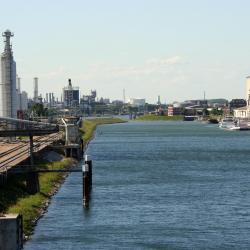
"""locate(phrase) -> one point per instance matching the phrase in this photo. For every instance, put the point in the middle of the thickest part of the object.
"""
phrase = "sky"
(176, 49)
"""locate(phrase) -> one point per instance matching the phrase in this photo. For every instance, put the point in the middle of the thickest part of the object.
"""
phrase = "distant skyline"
(175, 49)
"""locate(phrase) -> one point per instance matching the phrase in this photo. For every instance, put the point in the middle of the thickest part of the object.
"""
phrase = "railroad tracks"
(21, 151)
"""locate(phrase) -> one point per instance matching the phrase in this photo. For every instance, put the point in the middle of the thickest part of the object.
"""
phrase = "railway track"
(21, 152)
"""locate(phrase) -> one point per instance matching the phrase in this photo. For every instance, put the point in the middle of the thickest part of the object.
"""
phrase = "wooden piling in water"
(89, 162)
(86, 185)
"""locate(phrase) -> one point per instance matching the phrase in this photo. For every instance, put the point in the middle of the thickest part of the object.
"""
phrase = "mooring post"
(82, 146)
(86, 185)
(89, 162)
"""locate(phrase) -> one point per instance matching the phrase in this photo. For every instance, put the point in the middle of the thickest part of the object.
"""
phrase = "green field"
(160, 118)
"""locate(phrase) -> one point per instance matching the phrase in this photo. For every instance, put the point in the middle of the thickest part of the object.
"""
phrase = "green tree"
(38, 109)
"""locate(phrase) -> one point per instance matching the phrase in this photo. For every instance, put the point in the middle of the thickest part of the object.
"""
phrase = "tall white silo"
(8, 104)
(248, 90)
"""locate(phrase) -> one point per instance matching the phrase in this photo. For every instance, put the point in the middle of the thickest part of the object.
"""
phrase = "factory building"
(70, 96)
(8, 92)
(19, 94)
(87, 102)
(24, 101)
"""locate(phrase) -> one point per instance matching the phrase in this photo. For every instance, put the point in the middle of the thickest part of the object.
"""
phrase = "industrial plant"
(15, 103)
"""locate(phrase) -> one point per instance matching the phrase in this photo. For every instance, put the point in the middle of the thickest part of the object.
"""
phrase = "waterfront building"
(174, 110)
(240, 112)
(241, 107)
(248, 90)
(8, 92)
(237, 103)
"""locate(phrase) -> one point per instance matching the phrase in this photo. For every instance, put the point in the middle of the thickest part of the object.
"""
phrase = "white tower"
(124, 96)
(35, 89)
(248, 91)
(8, 98)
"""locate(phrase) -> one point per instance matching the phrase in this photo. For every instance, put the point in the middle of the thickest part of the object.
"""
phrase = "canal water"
(156, 185)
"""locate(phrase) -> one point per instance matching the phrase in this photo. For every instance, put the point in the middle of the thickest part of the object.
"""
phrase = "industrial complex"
(15, 103)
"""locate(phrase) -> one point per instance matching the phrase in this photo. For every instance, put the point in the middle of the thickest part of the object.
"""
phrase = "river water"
(156, 185)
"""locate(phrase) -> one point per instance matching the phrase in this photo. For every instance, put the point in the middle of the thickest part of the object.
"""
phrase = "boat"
(190, 118)
(213, 121)
(230, 123)
(227, 122)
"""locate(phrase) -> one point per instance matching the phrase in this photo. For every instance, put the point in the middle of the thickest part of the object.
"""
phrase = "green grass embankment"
(160, 118)
(90, 125)
(15, 198)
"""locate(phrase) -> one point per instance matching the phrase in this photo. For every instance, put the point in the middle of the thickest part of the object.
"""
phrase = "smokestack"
(18, 85)
(50, 99)
(35, 89)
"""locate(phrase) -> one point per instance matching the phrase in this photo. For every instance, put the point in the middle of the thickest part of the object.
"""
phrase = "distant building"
(241, 107)
(104, 100)
(87, 102)
(237, 103)
(24, 101)
(93, 96)
(70, 96)
(217, 103)
(176, 104)
(241, 112)
(200, 103)
(137, 102)
(174, 111)
(117, 102)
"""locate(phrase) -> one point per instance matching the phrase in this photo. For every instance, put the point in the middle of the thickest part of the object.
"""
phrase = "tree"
(205, 112)
(216, 111)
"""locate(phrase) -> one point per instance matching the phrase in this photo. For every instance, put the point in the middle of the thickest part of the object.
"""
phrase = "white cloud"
(151, 67)
(165, 61)
(60, 71)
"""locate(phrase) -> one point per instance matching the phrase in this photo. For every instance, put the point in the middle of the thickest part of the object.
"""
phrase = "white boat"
(230, 123)
(227, 122)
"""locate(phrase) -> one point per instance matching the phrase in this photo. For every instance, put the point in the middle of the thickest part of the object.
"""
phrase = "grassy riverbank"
(160, 118)
(15, 198)
(90, 125)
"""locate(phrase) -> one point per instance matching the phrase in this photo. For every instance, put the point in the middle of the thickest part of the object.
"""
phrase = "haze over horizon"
(175, 49)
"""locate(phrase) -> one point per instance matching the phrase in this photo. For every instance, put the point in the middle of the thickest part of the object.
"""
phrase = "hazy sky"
(173, 48)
